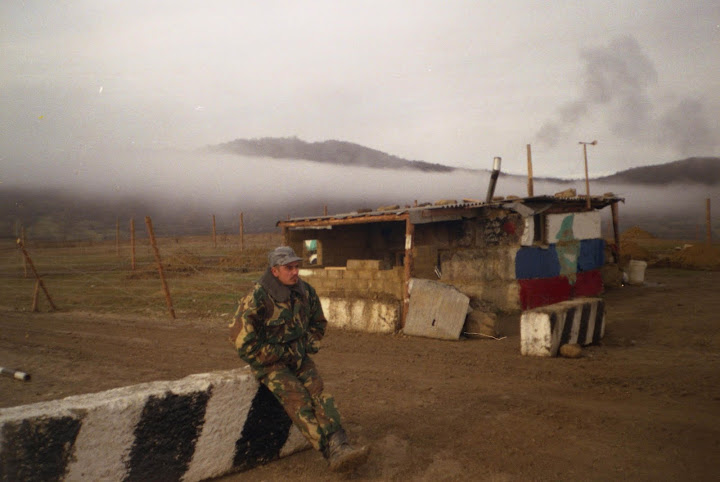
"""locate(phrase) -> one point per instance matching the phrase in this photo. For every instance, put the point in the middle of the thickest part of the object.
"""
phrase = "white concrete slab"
(436, 310)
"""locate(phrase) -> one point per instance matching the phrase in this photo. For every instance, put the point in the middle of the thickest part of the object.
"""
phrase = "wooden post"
(214, 233)
(530, 172)
(242, 232)
(117, 237)
(616, 229)
(708, 231)
(22, 239)
(132, 243)
(409, 261)
(37, 276)
(285, 235)
(36, 292)
(587, 179)
(148, 223)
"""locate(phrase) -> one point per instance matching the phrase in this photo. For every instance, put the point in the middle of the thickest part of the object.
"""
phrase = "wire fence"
(205, 275)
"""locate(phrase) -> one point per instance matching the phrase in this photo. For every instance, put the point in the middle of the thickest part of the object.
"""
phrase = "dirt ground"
(643, 405)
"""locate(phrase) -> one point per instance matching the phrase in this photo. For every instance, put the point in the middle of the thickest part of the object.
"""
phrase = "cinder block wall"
(361, 278)
(477, 256)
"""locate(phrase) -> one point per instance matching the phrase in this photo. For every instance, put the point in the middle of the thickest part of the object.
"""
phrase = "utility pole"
(587, 180)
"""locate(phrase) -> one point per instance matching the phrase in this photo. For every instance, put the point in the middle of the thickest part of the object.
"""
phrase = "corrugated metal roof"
(400, 213)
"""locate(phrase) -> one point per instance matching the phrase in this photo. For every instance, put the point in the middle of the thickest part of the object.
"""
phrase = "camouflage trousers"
(300, 392)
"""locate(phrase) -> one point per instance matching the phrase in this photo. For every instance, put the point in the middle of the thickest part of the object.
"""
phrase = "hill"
(331, 152)
(696, 170)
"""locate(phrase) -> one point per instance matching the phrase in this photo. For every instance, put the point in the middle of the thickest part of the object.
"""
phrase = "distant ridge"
(696, 170)
(331, 152)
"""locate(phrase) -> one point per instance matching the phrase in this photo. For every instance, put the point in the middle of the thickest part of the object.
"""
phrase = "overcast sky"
(450, 82)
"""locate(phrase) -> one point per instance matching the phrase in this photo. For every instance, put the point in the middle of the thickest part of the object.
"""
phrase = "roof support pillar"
(408, 263)
(616, 228)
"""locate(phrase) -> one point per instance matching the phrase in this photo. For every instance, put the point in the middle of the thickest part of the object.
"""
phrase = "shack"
(507, 255)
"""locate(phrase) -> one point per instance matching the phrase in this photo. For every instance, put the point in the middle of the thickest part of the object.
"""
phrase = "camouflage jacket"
(277, 324)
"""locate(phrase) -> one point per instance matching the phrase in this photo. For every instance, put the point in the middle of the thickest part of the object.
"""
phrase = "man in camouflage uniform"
(275, 329)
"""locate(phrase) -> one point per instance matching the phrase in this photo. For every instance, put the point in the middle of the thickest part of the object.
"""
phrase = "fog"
(267, 190)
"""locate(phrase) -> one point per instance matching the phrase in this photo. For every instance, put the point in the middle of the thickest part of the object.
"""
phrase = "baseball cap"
(282, 255)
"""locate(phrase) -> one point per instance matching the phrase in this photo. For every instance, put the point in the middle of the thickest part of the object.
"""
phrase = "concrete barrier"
(543, 330)
(199, 427)
(358, 314)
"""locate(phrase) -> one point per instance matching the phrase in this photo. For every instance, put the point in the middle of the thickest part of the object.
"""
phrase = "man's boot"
(342, 456)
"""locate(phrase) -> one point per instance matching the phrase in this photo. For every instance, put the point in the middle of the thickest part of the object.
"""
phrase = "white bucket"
(636, 272)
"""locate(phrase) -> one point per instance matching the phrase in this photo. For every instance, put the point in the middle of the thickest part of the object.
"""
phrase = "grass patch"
(204, 279)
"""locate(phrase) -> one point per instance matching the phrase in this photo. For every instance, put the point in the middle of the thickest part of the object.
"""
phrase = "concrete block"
(202, 426)
(485, 264)
(360, 314)
(436, 310)
(544, 291)
(363, 264)
(501, 295)
(543, 330)
(393, 287)
(359, 284)
(375, 286)
(335, 273)
(481, 323)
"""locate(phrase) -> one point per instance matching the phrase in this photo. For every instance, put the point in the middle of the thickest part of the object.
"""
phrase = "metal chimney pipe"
(493, 179)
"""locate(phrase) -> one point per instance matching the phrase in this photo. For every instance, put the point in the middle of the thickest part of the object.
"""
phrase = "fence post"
(148, 223)
(708, 235)
(36, 292)
(242, 232)
(22, 239)
(37, 276)
(214, 232)
(132, 243)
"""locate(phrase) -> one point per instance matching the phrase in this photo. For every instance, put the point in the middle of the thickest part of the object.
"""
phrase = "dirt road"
(644, 405)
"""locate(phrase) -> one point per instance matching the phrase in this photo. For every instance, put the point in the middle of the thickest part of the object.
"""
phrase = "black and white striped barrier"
(545, 329)
(199, 427)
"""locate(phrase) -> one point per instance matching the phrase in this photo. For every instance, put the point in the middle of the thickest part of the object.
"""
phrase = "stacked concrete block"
(502, 295)
(358, 314)
(494, 263)
(361, 278)
(364, 295)
(199, 427)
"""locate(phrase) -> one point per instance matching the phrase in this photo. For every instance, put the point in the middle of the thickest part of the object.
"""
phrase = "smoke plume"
(617, 82)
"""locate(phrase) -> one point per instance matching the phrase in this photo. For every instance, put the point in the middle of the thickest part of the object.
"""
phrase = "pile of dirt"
(631, 250)
(699, 256)
(635, 233)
